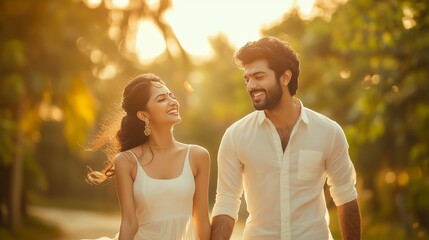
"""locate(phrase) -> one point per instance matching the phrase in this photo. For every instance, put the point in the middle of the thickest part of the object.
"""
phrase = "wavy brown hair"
(279, 54)
(135, 97)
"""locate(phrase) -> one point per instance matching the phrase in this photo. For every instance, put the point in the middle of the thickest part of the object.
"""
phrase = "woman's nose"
(173, 101)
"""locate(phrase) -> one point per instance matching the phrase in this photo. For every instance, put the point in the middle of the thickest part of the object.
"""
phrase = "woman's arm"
(124, 187)
(200, 159)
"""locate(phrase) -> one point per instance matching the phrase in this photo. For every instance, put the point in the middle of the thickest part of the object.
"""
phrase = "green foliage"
(79, 105)
(12, 89)
(40, 59)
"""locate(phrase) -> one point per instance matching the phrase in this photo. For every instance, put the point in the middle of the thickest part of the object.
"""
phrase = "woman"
(162, 184)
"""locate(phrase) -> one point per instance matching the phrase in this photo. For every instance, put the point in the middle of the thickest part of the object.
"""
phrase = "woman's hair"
(279, 54)
(135, 97)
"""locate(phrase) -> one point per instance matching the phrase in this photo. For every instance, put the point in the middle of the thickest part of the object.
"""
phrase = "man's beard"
(272, 98)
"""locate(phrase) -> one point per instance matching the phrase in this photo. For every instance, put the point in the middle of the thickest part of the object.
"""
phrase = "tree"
(391, 46)
(52, 53)
(43, 77)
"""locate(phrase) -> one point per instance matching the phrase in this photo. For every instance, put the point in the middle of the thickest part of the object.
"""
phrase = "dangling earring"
(147, 130)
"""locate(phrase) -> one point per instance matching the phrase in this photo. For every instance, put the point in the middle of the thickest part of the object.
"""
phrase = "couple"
(280, 155)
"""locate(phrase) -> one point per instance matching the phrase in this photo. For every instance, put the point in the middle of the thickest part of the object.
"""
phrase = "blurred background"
(63, 64)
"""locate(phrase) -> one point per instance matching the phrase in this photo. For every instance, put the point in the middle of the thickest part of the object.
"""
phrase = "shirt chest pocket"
(310, 164)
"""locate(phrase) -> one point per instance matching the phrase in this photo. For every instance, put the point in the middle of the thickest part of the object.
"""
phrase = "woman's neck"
(161, 138)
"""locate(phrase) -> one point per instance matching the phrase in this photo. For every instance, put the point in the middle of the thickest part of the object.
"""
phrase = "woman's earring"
(147, 130)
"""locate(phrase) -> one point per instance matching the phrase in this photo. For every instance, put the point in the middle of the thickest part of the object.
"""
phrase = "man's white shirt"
(284, 190)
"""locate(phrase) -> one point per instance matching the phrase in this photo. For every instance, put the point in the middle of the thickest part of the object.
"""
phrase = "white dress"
(164, 206)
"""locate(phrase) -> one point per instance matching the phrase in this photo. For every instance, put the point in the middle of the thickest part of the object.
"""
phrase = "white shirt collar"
(302, 116)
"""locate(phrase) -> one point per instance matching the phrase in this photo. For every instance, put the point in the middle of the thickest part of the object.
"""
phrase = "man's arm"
(222, 227)
(350, 220)
(229, 189)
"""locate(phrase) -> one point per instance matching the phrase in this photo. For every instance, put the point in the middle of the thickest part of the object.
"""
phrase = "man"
(282, 154)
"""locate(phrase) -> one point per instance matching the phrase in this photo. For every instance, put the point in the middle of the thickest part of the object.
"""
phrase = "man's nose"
(250, 85)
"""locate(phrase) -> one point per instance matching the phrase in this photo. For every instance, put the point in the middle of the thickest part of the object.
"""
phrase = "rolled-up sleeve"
(340, 170)
(230, 179)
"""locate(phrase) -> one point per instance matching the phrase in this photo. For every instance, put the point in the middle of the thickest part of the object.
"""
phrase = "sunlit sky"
(195, 21)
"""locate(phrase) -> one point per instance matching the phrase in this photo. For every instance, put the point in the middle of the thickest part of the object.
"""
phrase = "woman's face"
(163, 107)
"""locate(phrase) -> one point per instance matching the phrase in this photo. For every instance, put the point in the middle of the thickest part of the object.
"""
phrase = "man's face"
(262, 85)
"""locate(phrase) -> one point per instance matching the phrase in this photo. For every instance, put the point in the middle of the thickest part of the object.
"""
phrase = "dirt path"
(78, 224)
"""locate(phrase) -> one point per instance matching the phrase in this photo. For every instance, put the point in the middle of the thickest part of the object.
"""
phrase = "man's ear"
(285, 77)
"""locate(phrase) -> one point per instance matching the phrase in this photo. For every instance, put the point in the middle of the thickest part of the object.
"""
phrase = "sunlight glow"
(49, 112)
(121, 4)
(239, 20)
(306, 7)
(187, 85)
(149, 41)
(93, 3)
(403, 179)
(196, 21)
(96, 56)
(344, 74)
(115, 27)
(390, 177)
(408, 19)
(153, 4)
(108, 72)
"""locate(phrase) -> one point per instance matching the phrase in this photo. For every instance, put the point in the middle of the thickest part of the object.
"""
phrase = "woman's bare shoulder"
(124, 160)
(199, 152)
(199, 149)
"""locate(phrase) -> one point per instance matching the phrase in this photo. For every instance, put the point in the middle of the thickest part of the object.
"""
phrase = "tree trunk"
(16, 180)
(4, 193)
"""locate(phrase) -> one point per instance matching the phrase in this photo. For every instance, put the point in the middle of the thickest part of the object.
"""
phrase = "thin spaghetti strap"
(137, 162)
(189, 149)
(134, 155)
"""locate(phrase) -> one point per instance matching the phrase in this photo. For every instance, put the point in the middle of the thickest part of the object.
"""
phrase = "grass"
(32, 228)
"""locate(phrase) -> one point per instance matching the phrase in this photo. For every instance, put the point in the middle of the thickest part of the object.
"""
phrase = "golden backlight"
(194, 21)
